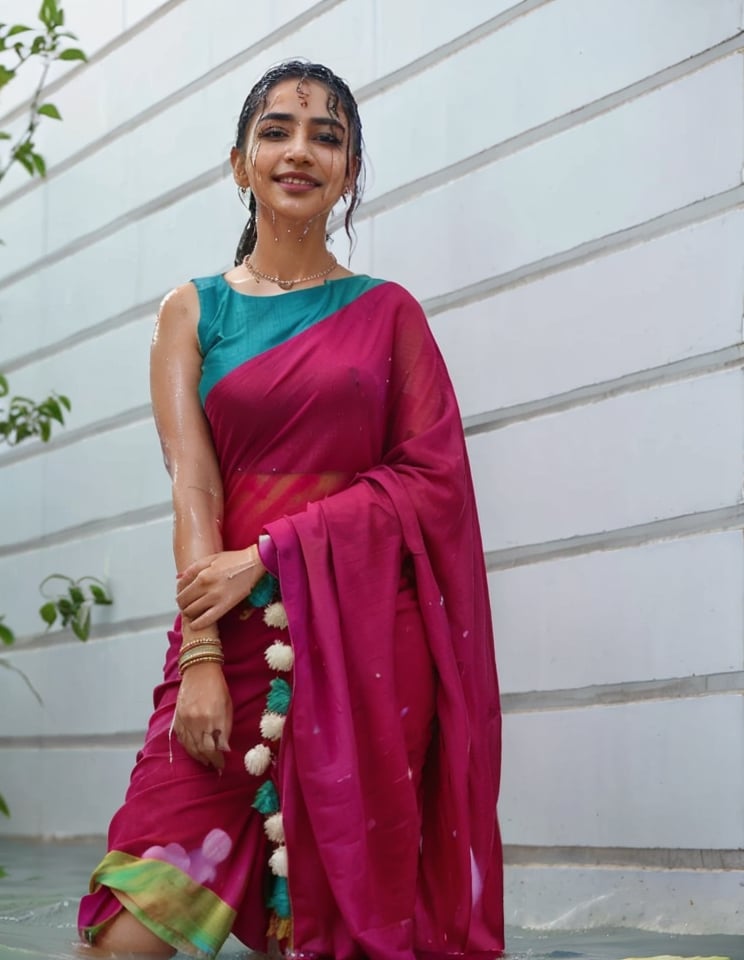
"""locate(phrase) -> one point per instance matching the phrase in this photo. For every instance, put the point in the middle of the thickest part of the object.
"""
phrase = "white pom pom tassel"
(274, 827)
(280, 656)
(272, 725)
(257, 759)
(275, 615)
(278, 862)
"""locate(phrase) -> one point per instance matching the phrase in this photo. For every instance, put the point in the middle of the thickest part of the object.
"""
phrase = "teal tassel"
(279, 696)
(279, 898)
(264, 591)
(266, 800)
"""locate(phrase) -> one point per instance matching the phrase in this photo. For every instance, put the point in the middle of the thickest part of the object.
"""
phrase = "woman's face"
(295, 155)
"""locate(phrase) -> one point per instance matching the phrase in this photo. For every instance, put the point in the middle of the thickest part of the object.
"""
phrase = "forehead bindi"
(301, 98)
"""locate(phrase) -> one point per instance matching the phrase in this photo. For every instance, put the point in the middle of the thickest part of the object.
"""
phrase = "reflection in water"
(38, 906)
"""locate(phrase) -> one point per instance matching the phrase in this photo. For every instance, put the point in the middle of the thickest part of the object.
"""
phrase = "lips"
(297, 180)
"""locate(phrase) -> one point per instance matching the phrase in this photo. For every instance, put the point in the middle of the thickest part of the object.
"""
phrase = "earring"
(242, 194)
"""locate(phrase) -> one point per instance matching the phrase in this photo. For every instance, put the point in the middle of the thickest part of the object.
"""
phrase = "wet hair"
(339, 95)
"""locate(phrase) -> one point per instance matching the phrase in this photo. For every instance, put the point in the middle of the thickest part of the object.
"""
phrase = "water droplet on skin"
(404, 712)
(378, 676)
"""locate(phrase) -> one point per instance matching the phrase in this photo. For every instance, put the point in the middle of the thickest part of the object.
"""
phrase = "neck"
(290, 249)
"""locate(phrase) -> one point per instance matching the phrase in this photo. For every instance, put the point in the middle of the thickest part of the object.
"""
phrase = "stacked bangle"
(200, 650)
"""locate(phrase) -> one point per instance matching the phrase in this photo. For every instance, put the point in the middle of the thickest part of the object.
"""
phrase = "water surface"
(38, 904)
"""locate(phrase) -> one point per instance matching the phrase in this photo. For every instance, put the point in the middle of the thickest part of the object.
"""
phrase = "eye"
(329, 138)
(272, 133)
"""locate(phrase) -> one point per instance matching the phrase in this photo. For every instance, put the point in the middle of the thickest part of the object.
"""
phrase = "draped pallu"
(338, 434)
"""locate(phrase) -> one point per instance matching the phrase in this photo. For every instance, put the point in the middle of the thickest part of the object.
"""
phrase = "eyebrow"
(290, 118)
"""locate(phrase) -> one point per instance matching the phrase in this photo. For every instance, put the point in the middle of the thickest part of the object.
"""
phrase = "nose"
(297, 148)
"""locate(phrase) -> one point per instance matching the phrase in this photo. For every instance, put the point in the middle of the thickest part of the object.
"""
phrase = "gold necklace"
(286, 284)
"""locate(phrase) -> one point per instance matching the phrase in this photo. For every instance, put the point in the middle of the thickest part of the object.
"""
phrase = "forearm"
(197, 524)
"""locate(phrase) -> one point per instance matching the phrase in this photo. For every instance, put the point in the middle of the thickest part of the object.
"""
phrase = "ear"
(351, 174)
(240, 173)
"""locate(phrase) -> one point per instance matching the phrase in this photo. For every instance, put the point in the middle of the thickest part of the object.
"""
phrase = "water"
(38, 903)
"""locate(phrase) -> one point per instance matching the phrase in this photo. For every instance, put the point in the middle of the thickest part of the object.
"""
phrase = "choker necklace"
(286, 284)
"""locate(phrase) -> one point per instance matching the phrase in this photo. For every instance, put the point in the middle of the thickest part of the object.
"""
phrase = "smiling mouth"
(298, 181)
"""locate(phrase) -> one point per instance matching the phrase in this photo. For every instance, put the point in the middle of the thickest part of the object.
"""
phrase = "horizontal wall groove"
(669, 528)
(407, 191)
(435, 56)
(164, 200)
(681, 217)
(660, 858)
(84, 335)
(128, 628)
(129, 740)
(627, 692)
(70, 436)
(93, 528)
(717, 361)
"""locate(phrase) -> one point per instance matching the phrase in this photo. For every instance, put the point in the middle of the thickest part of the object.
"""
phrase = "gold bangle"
(212, 650)
(200, 642)
(204, 651)
(183, 667)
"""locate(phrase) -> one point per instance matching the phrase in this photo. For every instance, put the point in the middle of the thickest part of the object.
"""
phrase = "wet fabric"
(343, 442)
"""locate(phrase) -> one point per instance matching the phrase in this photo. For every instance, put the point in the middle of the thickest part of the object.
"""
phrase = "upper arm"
(175, 370)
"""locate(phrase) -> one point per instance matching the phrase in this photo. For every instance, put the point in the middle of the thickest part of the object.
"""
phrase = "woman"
(322, 773)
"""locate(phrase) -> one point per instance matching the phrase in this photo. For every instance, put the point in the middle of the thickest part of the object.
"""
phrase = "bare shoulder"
(182, 301)
(178, 315)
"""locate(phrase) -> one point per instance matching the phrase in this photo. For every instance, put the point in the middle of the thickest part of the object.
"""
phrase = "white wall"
(559, 181)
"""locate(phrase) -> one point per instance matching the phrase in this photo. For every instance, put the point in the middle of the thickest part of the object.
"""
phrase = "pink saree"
(341, 439)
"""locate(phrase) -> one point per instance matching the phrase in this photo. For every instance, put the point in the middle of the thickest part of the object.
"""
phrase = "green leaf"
(6, 635)
(81, 623)
(49, 110)
(48, 612)
(72, 53)
(100, 596)
(4, 809)
(4, 388)
(45, 431)
(76, 595)
(4, 135)
(49, 14)
(65, 401)
(39, 163)
(66, 608)
(25, 163)
(6, 75)
(3, 873)
(18, 28)
(53, 409)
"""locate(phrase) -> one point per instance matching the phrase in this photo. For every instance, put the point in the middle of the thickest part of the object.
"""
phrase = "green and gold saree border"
(167, 901)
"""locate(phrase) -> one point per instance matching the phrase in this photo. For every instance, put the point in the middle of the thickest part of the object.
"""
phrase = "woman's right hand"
(204, 714)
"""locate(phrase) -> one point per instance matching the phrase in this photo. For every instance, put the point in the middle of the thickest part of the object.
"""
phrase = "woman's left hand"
(209, 587)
